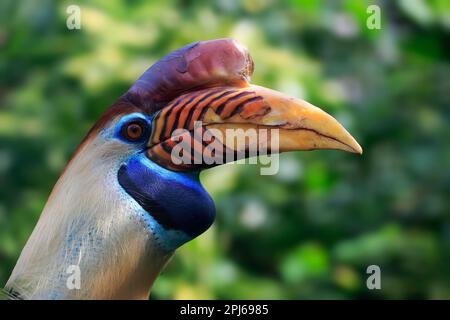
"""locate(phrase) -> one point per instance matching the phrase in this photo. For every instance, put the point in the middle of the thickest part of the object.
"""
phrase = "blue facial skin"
(175, 205)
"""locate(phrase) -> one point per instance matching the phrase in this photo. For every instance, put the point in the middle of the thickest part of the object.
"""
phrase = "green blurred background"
(311, 230)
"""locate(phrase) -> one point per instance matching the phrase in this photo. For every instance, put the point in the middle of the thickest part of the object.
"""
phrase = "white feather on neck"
(110, 242)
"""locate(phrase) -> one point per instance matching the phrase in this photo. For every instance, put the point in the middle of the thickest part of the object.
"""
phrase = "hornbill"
(123, 205)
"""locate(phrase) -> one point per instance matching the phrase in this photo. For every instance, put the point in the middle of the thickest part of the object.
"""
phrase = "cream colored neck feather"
(90, 223)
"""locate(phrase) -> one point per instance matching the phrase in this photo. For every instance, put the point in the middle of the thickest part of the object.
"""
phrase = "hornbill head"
(133, 186)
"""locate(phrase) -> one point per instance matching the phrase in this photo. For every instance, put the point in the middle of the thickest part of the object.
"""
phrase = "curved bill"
(207, 127)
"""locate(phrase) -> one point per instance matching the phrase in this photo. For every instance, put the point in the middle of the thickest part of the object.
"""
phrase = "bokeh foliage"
(309, 231)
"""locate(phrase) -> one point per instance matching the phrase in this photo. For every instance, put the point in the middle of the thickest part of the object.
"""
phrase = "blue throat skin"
(177, 207)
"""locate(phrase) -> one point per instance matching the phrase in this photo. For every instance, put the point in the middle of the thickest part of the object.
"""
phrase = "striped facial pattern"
(209, 107)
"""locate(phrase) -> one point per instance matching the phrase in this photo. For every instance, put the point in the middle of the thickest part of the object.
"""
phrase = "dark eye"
(135, 130)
